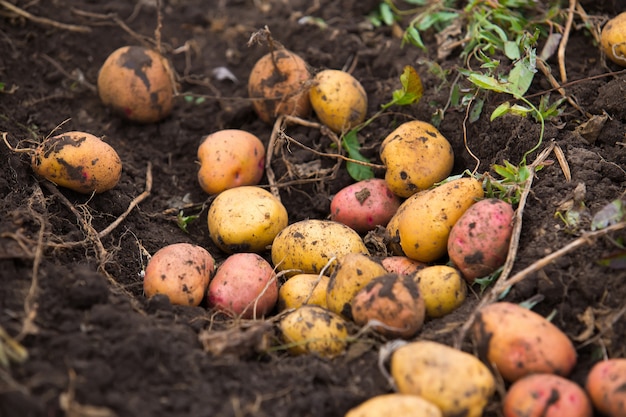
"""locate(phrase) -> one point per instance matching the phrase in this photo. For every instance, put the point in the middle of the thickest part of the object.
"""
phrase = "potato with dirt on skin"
(606, 384)
(517, 342)
(546, 395)
(395, 405)
(245, 219)
(613, 39)
(79, 161)
(230, 158)
(393, 305)
(244, 286)
(364, 205)
(455, 381)
(443, 289)
(416, 156)
(136, 82)
(181, 271)
(338, 99)
(303, 289)
(402, 265)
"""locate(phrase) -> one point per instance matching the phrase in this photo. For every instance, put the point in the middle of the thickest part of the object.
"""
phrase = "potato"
(303, 289)
(606, 386)
(181, 271)
(443, 289)
(402, 265)
(79, 161)
(245, 219)
(416, 156)
(279, 84)
(314, 329)
(353, 271)
(517, 342)
(338, 99)
(364, 205)
(392, 300)
(230, 158)
(136, 82)
(425, 222)
(397, 405)
(613, 39)
(479, 241)
(308, 245)
(455, 381)
(546, 395)
(244, 285)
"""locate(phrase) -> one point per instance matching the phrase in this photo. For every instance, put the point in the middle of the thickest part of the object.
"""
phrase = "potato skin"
(416, 156)
(245, 219)
(244, 285)
(136, 82)
(278, 85)
(605, 386)
(443, 289)
(455, 381)
(402, 265)
(181, 271)
(79, 161)
(364, 205)
(308, 245)
(303, 289)
(613, 39)
(546, 395)
(338, 99)
(479, 241)
(230, 158)
(397, 405)
(518, 342)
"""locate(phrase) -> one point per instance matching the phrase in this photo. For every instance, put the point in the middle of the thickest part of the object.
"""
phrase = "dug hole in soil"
(74, 301)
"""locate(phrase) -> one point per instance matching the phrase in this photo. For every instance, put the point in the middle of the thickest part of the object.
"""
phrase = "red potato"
(518, 342)
(402, 265)
(181, 271)
(479, 241)
(546, 395)
(364, 205)
(606, 386)
(244, 285)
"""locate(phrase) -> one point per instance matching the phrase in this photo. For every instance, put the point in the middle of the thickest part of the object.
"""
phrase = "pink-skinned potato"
(402, 265)
(364, 205)
(479, 241)
(606, 386)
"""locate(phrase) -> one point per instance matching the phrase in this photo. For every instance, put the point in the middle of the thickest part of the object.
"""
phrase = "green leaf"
(608, 215)
(521, 76)
(501, 110)
(488, 83)
(358, 172)
(476, 110)
(511, 50)
(412, 36)
(386, 14)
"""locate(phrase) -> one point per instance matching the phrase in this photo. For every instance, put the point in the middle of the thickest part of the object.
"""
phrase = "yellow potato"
(245, 219)
(79, 161)
(352, 273)
(338, 99)
(613, 39)
(395, 405)
(314, 329)
(308, 246)
(455, 381)
(416, 156)
(443, 289)
(303, 289)
(427, 217)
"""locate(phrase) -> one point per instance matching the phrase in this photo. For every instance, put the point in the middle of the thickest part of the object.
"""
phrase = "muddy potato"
(606, 384)
(230, 158)
(181, 271)
(353, 272)
(402, 265)
(613, 39)
(303, 289)
(279, 85)
(426, 218)
(79, 161)
(443, 289)
(338, 99)
(479, 241)
(136, 82)
(244, 285)
(315, 330)
(392, 300)
(245, 219)
(396, 405)
(546, 395)
(308, 246)
(517, 342)
(455, 381)
(364, 205)
(416, 156)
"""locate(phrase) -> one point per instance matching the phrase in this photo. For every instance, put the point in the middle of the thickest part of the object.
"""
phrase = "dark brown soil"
(97, 347)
